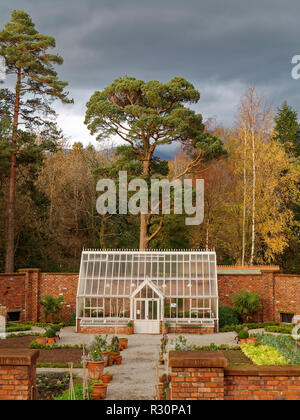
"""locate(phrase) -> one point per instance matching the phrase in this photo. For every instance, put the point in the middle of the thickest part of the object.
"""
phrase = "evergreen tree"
(37, 84)
(287, 129)
(147, 115)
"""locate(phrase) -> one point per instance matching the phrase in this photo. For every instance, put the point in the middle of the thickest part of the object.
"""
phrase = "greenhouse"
(148, 288)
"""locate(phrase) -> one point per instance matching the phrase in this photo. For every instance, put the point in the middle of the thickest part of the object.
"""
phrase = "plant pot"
(114, 354)
(41, 341)
(168, 394)
(99, 392)
(105, 353)
(124, 342)
(51, 341)
(118, 360)
(110, 362)
(95, 369)
(130, 330)
(243, 340)
(159, 391)
(106, 379)
(252, 340)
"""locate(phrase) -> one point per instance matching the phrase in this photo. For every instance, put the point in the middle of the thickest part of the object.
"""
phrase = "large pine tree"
(27, 105)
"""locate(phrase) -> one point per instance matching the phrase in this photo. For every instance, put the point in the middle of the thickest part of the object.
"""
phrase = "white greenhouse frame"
(147, 287)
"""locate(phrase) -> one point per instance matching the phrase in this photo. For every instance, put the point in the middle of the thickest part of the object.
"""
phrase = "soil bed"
(237, 358)
(46, 356)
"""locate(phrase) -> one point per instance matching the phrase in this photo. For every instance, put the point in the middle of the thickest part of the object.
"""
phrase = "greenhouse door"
(146, 307)
(147, 319)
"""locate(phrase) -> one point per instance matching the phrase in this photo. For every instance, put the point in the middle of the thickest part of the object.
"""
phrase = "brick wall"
(198, 375)
(18, 374)
(12, 292)
(262, 383)
(230, 284)
(279, 292)
(287, 294)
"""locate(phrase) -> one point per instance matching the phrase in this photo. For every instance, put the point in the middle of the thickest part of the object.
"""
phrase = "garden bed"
(237, 358)
(46, 356)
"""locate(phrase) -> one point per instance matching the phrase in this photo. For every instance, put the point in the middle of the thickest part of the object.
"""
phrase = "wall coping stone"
(29, 270)
(18, 357)
(197, 358)
(262, 371)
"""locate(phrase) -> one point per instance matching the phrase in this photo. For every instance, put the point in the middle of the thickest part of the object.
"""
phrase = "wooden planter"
(95, 369)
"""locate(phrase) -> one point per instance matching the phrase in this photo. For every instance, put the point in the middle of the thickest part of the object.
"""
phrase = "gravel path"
(135, 378)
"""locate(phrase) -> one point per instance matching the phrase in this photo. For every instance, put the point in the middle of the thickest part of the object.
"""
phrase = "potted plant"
(107, 377)
(252, 340)
(124, 342)
(50, 334)
(118, 360)
(41, 340)
(110, 361)
(114, 347)
(95, 359)
(56, 329)
(99, 390)
(166, 326)
(243, 336)
(130, 327)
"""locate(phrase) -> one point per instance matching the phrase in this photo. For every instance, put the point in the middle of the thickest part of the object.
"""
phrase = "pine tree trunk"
(10, 242)
(144, 218)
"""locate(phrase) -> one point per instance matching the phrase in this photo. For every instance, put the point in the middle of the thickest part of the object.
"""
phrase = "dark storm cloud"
(221, 46)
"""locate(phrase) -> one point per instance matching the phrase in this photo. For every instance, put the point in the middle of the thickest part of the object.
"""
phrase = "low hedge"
(58, 365)
(11, 328)
(282, 329)
(251, 326)
(35, 345)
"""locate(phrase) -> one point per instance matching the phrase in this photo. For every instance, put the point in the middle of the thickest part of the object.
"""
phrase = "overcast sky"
(221, 46)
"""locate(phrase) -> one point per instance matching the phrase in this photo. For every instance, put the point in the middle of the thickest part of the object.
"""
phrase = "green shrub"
(11, 328)
(227, 316)
(284, 344)
(78, 389)
(243, 335)
(263, 355)
(52, 307)
(282, 329)
(246, 304)
(250, 326)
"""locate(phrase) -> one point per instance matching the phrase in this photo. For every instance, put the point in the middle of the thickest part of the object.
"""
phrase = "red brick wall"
(60, 284)
(262, 383)
(12, 292)
(230, 284)
(23, 291)
(198, 375)
(287, 294)
(197, 383)
(18, 374)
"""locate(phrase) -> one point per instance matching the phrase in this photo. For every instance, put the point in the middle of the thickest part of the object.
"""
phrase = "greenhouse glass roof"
(118, 273)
